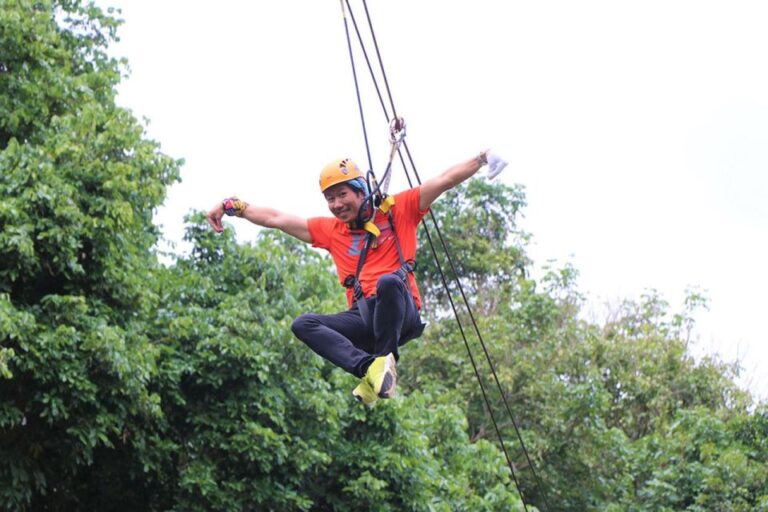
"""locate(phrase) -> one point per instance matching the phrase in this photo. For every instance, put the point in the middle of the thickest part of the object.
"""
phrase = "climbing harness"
(397, 141)
(375, 200)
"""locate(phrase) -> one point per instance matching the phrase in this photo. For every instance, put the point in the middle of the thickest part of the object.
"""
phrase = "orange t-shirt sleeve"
(320, 229)
(408, 201)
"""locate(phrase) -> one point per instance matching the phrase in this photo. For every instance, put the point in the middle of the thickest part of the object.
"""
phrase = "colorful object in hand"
(234, 206)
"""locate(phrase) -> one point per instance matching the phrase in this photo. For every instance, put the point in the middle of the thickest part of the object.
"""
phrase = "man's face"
(343, 201)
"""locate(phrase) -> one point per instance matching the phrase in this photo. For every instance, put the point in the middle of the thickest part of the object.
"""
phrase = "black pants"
(351, 343)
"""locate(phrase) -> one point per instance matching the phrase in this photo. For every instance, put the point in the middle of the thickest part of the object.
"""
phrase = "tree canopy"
(126, 384)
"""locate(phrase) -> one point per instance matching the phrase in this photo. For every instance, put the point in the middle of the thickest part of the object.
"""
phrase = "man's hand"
(214, 217)
(495, 164)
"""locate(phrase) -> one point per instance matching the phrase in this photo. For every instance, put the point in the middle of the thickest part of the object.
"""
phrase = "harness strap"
(372, 228)
(354, 281)
(397, 241)
(406, 266)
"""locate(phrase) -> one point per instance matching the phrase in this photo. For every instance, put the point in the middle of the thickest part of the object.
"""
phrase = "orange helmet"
(339, 171)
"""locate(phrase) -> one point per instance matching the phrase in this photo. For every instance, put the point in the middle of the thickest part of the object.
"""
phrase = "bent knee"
(302, 323)
(388, 282)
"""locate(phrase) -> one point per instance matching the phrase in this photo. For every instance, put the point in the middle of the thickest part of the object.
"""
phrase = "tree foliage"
(263, 423)
(129, 385)
(126, 385)
(78, 185)
(492, 258)
(597, 405)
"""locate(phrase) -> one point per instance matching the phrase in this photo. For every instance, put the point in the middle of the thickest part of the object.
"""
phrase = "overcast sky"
(639, 129)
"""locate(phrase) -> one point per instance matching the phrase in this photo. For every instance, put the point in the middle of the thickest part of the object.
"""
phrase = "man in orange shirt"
(363, 340)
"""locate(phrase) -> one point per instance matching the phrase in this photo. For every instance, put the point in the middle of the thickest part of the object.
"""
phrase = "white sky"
(639, 129)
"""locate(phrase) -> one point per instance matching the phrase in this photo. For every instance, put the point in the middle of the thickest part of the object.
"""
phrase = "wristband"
(234, 206)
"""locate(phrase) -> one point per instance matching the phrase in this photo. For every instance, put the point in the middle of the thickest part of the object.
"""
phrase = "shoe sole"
(389, 381)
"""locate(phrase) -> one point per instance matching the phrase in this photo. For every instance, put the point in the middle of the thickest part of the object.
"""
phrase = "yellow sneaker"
(364, 393)
(382, 376)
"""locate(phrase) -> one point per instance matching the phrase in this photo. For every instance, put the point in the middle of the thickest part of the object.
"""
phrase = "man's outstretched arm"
(432, 188)
(266, 217)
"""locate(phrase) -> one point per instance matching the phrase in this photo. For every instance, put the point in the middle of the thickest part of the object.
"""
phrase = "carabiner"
(396, 130)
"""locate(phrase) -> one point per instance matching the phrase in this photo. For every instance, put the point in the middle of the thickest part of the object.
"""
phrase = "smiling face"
(344, 202)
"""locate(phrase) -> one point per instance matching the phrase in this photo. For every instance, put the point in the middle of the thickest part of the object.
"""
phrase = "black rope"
(357, 87)
(456, 276)
(368, 62)
(434, 252)
(378, 54)
(482, 344)
(469, 353)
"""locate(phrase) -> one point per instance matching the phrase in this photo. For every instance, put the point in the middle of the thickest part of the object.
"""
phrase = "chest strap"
(406, 266)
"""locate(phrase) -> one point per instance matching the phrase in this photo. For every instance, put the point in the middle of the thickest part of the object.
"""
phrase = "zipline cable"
(447, 252)
(434, 254)
(378, 54)
(453, 268)
(387, 174)
(357, 87)
(368, 63)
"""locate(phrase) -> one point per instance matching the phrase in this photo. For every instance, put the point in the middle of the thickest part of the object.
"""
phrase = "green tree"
(78, 185)
(125, 385)
(256, 420)
(587, 397)
(478, 223)
(705, 460)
